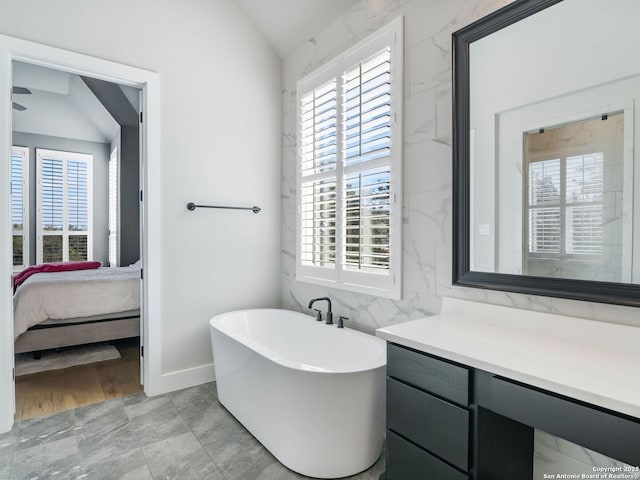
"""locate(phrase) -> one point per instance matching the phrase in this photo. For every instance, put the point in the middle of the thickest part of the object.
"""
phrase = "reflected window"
(569, 224)
(573, 187)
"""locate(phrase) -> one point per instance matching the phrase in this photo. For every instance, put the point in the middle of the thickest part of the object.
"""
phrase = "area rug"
(26, 363)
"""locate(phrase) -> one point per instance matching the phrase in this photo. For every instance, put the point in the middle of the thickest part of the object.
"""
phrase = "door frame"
(150, 220)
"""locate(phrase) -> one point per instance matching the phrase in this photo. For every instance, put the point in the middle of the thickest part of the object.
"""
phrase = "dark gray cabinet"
(406, 460)
(447, 421)
(428, 419)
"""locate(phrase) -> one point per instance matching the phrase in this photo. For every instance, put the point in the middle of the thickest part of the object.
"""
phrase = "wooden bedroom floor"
(49, 392)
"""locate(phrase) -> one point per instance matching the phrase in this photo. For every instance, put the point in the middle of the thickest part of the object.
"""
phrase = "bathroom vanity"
(467, 388)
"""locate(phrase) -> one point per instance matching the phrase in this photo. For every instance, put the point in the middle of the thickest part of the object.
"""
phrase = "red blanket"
(19, 278)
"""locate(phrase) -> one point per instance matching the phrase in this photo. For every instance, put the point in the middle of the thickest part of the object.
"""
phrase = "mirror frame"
(592, 291)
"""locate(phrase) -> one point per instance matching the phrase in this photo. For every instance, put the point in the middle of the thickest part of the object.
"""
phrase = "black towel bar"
(192, 206)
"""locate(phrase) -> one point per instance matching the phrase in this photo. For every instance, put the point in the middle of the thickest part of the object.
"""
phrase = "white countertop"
(596, 362)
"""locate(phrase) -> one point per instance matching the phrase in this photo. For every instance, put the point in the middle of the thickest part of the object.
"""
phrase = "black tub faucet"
(329, 313)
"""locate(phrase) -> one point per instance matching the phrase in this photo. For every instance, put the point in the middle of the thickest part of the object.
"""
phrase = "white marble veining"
(590, 361)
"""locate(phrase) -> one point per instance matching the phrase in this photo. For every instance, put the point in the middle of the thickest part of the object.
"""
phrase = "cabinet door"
(405, 461)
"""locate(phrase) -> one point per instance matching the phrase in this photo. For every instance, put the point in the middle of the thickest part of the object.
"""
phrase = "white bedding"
(81, 293)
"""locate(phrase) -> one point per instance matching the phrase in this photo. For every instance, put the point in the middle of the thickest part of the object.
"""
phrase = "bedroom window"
(349, 168)
(64, 206)
(20, 207)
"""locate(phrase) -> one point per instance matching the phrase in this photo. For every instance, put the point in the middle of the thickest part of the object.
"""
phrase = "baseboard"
(172, 381)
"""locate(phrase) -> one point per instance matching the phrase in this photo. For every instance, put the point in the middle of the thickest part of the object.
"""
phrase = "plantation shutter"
(64, 207)
(77, 209)
(544, 206)
(113, 208)
(318, 155)
(585, 189)
(52, 206)
(349, 168)
(566, 205)
(366, 123)
(19, 212)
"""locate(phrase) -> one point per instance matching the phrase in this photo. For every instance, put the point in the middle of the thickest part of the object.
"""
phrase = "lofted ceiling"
(60, 105)
(288, 23)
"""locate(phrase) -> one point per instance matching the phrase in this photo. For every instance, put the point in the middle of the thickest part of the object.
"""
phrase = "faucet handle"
(318, 315)
(341, 321)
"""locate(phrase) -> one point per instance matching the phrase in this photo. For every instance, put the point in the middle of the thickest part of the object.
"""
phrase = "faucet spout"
(329, 313)
(314, 300)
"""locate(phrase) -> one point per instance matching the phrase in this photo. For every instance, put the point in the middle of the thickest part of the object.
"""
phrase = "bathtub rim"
(297, 366)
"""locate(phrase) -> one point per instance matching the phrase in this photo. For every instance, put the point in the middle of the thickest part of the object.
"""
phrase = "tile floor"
(181, 435)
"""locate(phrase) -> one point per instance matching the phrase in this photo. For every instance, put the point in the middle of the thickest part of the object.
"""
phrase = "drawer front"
(437, 376)
(436, 425)
(405, 461)
(615, 435)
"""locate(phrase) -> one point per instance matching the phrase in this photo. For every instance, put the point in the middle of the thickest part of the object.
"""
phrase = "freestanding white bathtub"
(311, 393)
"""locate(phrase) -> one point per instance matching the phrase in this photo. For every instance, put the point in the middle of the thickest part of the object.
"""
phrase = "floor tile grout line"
(137, 436)
(198, 439)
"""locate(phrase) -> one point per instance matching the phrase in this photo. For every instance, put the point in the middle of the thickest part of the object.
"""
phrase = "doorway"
(11, 50)
(75, 178)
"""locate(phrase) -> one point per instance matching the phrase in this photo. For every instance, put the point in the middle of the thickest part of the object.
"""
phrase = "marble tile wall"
(427, 166)
(427, 179)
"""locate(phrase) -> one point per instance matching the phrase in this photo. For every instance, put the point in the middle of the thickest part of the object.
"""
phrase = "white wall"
(220, 87)
(427, 181)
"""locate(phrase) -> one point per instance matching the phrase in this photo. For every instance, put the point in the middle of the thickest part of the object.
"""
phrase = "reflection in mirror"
(573, 214)
(551, 144)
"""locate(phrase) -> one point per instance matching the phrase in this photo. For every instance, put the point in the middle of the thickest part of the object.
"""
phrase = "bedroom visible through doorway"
(75, 178)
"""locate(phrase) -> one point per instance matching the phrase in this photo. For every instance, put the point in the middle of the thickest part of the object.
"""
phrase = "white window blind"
(566, 205)
(544, 206)
(113, 208)
(349, 168)
(64, 206)
(20, 206)
(585, 187)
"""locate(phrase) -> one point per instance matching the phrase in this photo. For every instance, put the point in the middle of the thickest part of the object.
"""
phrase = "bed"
(60, 309)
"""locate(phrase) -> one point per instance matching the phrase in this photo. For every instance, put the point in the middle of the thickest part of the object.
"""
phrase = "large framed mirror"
(546, 174)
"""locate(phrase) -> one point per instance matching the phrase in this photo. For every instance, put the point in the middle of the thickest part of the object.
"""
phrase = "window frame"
(24, 153)
(381, 285)
(42, 153)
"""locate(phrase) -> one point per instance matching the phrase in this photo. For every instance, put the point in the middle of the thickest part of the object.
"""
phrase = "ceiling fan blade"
(21, 91)
(18, 107)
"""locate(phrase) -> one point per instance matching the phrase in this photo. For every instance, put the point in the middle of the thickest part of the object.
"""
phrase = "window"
(64, 210)
(20, 206)
(566, 206)
(113, 208)
(349, 168)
